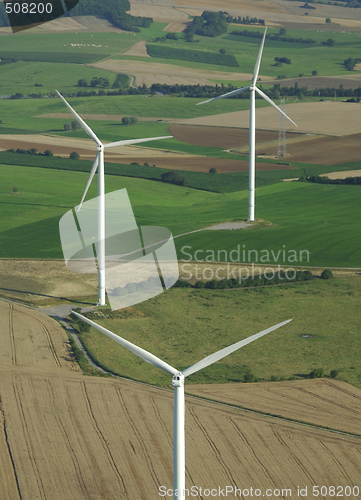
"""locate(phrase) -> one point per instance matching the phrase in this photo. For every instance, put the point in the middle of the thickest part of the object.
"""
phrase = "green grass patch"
(167, 52)
(321, 225)
(182, 326)
(44, 77)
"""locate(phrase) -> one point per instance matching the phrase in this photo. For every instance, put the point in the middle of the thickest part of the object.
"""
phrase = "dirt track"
(69, 437)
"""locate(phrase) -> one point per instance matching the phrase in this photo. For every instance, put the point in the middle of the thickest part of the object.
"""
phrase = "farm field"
(29, 223)
(326, 118)
(224, 317)
(112, 438)
(312, 401)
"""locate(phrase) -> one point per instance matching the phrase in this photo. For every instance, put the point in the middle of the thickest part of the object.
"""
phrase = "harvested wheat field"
(319, 401)
(43, 282)
(69, 437)
(158, 10)
(326, 118)
(343, 175)
(149, 73)
(85, 147)
(138, 49)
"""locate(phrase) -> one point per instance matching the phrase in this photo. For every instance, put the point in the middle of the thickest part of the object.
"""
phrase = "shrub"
(212, 170)
(174, 178)
(334, 373)
(75, 125)
(317, 373)
(15, 190)
(48, 152)
(74, 155)
(327, 274)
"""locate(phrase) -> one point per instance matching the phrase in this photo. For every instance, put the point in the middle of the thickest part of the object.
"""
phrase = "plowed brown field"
(66, 437)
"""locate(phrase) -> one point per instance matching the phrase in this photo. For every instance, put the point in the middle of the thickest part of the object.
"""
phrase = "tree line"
(354, 181)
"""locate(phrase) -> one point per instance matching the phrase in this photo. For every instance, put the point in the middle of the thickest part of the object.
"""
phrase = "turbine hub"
(178, 380)
(100, 147)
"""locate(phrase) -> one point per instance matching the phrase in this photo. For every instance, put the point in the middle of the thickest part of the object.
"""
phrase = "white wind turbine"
(178, 384)
(99, 164)
(252, 124)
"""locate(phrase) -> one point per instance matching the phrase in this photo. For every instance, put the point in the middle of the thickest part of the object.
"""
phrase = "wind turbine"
(178, 384)
(252, 123)
(99, 164)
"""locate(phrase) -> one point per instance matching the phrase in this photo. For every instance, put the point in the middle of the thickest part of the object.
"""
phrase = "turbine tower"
(178, 384)
(99, 164)
(252, 123)
(282, 145)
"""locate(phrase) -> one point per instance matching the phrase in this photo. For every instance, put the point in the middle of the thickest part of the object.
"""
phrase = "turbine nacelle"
(178, 379)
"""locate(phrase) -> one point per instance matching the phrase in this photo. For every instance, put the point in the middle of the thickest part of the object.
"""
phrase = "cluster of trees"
(95, 82)
(244, 20)
(261, 280)
(31, 151)
(355, 181)
(74, 125)
(129, 120)
(330, 42)
(168, 36)
(112, 10)
(350, 63)
(208, 24)
(281, 60)
(174, 177)
(307, 6)
(273, 36)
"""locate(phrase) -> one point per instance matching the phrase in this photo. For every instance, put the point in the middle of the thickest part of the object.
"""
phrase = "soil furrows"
(6, 335)
(333, 459)
(66, 440)
(252, 451)
(34, 485)
(146, 421)
(8, 476)
(35, 338)
(11, 331)
(293, 457)
(104, 442)
(218, 455)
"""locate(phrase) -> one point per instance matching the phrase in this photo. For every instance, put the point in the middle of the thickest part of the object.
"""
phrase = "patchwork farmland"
(64, 435)
(113, 438)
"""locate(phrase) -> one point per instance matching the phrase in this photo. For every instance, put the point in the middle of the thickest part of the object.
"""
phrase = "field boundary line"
(275, 416)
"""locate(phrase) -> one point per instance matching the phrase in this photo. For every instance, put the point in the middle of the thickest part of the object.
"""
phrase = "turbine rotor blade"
(145, 355)
(90, 178)
(258, 62)
(266, 98)
(229, 94)
(81, 122)
(209, 360)
(134, 141)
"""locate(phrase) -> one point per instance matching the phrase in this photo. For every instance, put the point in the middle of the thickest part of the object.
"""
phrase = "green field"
(29, 220)
(182, 326)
